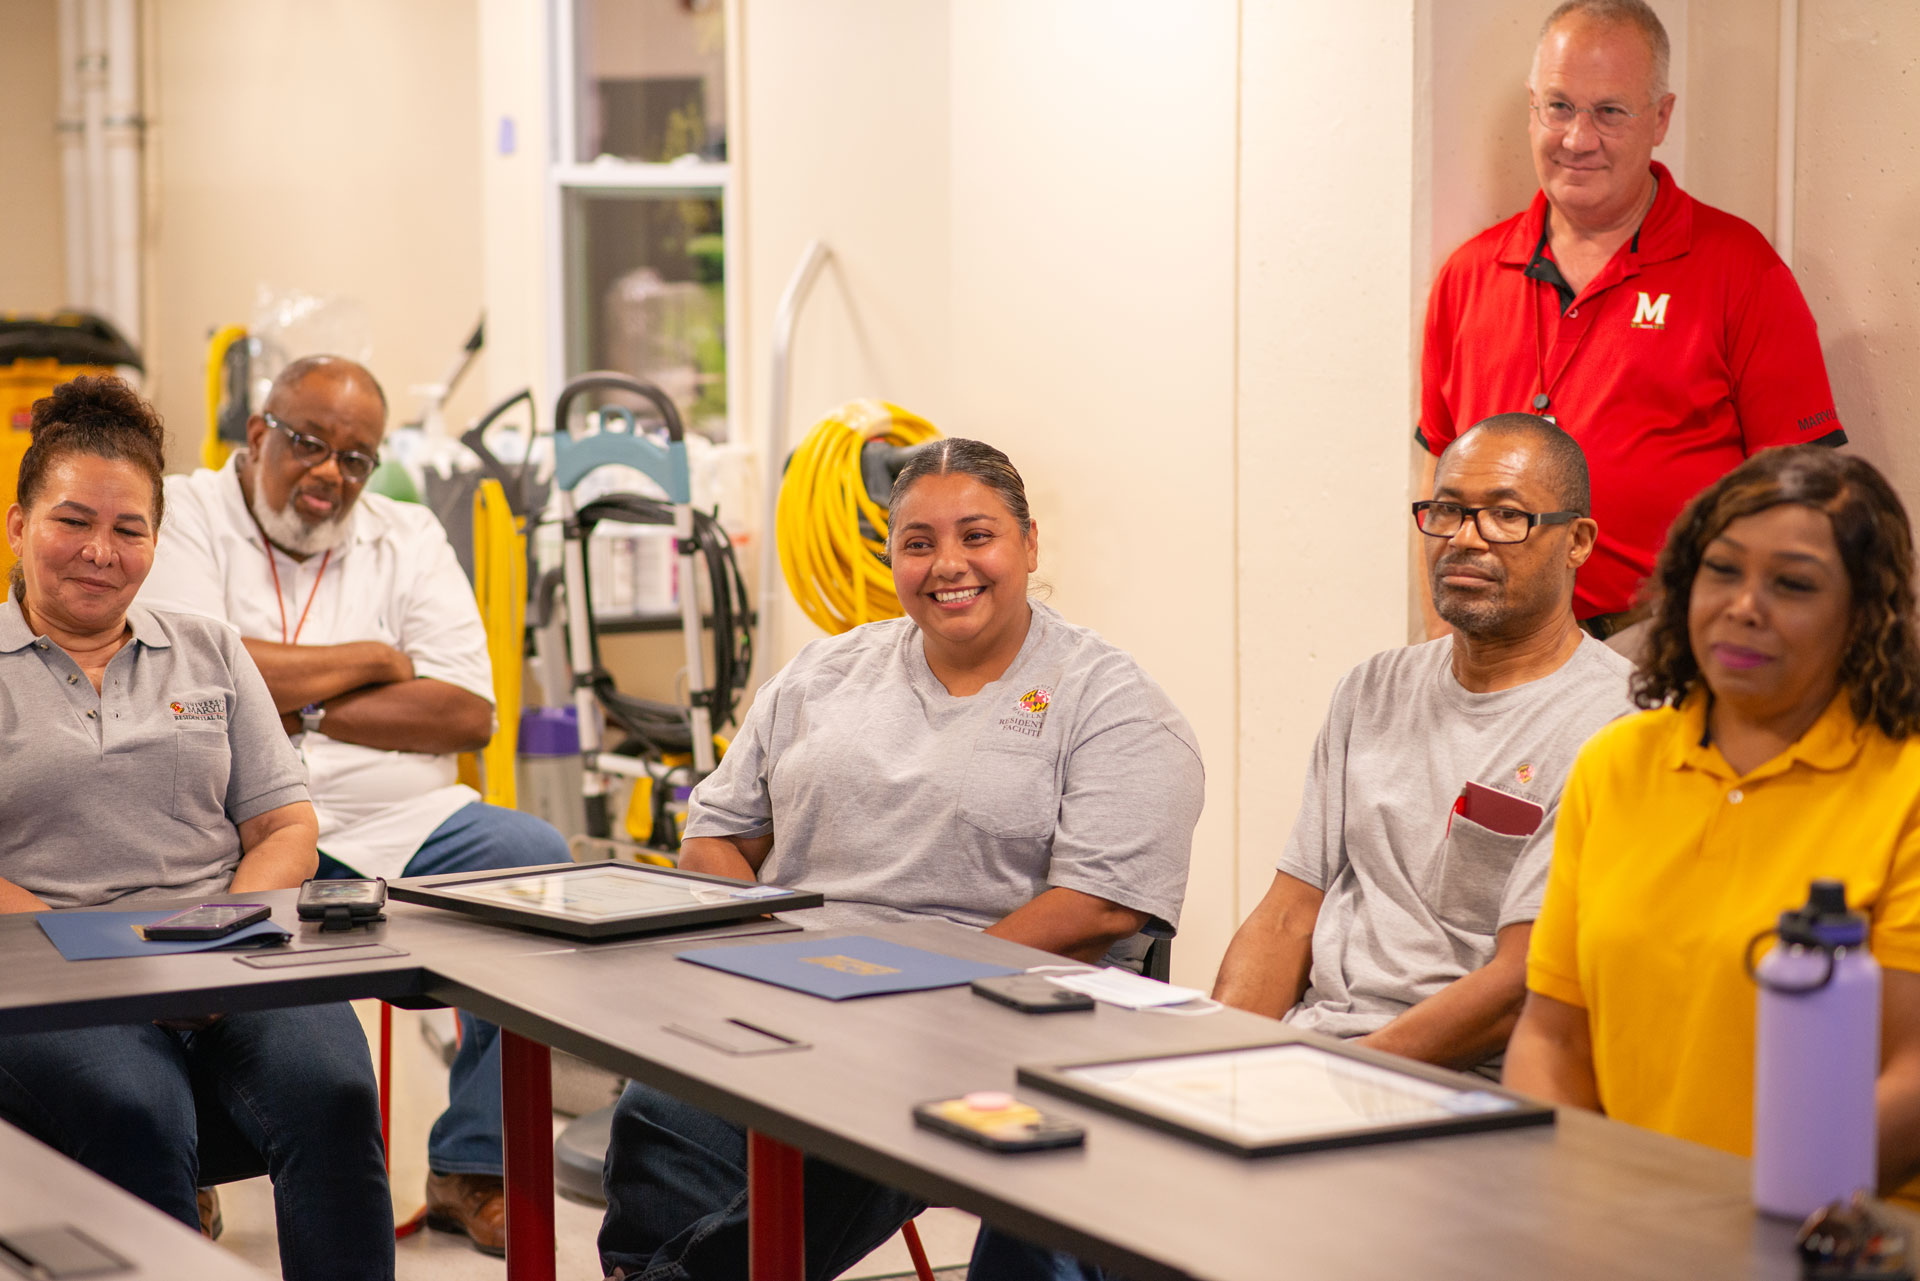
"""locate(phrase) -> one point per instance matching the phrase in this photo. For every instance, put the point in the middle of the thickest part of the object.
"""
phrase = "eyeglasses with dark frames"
(1496, 524)
(312, 451)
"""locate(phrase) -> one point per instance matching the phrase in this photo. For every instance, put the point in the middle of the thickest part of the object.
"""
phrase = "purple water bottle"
(1816, 1058)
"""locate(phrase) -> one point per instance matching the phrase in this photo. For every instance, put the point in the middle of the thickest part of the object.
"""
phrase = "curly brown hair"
(1880, 668)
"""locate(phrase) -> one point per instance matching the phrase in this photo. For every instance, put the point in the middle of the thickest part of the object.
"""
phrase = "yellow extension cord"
(832, 567)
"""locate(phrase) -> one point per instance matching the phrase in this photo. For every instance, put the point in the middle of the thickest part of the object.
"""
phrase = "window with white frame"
(640, 197)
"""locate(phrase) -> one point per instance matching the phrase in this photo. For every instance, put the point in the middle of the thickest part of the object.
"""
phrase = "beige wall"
(1093, 338)
(1325, 377)
(33, 273)
(329, 148)
(1858, 220)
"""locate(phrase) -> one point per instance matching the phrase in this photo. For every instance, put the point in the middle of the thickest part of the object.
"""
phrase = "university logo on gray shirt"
(898, 800)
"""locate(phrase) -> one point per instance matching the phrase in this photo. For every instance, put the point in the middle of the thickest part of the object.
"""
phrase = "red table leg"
(776, 1224)
(526, 1123)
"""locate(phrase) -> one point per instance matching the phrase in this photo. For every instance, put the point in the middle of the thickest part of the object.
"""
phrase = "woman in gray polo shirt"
(145, 761)
(981, 761)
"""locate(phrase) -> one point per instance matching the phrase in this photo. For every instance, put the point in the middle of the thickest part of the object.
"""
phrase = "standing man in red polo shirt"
(1665, 335)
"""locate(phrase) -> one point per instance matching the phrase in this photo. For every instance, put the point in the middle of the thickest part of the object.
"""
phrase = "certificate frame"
(489, 896)
(1482, 1105)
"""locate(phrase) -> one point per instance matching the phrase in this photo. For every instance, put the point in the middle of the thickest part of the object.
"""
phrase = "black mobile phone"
(349, 902)
(999, 1122)
(208, 921)
(1031, 994)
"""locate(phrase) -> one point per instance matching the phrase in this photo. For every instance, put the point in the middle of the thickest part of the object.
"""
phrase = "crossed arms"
(372, 697)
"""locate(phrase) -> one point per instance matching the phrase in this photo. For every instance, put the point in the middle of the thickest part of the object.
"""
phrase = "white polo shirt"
(393, 579)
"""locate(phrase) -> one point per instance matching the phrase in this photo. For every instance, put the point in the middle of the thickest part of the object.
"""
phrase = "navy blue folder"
(847, 966)
(93, 936)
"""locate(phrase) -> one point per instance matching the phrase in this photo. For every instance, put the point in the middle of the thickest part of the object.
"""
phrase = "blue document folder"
(93, 936)
(838, 968)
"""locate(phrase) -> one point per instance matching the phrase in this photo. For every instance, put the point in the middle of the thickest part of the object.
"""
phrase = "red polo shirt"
(1689, 351)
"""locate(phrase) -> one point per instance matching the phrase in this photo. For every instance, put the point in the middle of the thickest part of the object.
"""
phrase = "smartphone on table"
(208, 921)
(997, 1121)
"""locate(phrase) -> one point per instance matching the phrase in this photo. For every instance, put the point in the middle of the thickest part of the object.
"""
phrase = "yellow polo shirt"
(1666, 862)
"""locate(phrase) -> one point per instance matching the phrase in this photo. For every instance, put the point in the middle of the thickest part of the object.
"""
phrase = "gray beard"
(287, 531)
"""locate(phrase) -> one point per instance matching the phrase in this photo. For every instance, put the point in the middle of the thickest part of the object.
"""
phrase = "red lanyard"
(280, 599)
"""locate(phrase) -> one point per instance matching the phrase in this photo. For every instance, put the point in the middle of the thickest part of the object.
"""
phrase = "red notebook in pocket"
(1498, 811)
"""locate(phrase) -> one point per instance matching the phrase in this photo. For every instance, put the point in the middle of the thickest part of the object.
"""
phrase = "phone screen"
(210, 916)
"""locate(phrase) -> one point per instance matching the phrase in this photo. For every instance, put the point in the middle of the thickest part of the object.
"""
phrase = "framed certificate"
(1293, 1097)
(600, 900)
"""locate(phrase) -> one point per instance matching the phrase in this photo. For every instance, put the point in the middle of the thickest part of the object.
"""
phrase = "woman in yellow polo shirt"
(1782, 744)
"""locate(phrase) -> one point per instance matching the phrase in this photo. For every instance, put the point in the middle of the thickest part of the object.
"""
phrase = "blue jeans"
(479, 837)
(128, 1102)
(999, 1257)
(676, 1184)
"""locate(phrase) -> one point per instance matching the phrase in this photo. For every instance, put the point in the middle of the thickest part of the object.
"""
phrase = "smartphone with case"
(998, 1122)
(1030, 994)
(208, 921)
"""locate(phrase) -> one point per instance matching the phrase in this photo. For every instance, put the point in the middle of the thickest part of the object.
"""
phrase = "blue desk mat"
(94, 936)
(849, 966)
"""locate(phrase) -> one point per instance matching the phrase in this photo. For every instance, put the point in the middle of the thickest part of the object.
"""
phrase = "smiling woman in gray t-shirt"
(980, 760)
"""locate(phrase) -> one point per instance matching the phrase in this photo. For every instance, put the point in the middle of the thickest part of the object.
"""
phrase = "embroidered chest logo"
(204, 709)
(1525, 772)
(1030, 712)
(1650, 312)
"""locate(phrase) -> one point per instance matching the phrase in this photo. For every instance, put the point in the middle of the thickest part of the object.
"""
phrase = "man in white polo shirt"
(358, 615)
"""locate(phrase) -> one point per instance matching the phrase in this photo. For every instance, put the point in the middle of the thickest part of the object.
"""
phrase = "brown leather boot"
(211, 1224)
(475, 1204)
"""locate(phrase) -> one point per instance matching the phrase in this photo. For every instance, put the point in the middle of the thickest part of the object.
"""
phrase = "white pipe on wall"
(72, 127)
(121, 129)
(93, 95)
(1785, 130)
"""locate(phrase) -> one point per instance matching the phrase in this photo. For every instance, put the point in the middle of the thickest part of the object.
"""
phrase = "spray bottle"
(1816, 1059)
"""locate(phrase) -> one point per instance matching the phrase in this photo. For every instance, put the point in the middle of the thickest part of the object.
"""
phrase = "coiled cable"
(832, 533)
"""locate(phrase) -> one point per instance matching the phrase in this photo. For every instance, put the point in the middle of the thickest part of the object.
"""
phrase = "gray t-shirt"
(134, 792)
(897, 800)
(1414, 891)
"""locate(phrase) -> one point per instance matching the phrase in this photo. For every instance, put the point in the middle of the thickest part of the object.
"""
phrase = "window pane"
(645, 296)
(651, 79)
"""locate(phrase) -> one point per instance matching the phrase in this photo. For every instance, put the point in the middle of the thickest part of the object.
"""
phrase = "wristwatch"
(310, 717)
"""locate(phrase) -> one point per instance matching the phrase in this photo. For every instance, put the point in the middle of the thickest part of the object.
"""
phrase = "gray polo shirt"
(898, 800)
(134, 792)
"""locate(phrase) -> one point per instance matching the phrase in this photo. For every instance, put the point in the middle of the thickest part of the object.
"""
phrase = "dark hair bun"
(97, 415)
(97, 403)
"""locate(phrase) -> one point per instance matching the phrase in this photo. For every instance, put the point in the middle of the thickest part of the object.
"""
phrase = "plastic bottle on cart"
(1817, 1056)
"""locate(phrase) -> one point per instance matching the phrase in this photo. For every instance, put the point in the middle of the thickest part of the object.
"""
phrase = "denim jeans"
(466, 1137)
(125, 1102)
(676, 1185)
(999, 1257)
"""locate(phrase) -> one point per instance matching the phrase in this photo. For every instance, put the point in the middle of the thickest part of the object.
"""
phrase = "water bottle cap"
(1824, 921)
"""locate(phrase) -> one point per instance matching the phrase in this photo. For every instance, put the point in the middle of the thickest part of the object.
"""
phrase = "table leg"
(776, 1199)
(526, 1124)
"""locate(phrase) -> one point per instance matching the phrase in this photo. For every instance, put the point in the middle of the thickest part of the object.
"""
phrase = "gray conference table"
(41, 1190)
(1587, 1198)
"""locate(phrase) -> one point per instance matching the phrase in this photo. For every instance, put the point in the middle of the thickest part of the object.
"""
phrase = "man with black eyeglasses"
(1667, 336)
(365, 628)
(1403, 901)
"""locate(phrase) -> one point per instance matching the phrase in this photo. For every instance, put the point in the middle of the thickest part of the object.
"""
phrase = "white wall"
(1325, 377)
(324, 147)
(32, 266)
(1093, 338)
